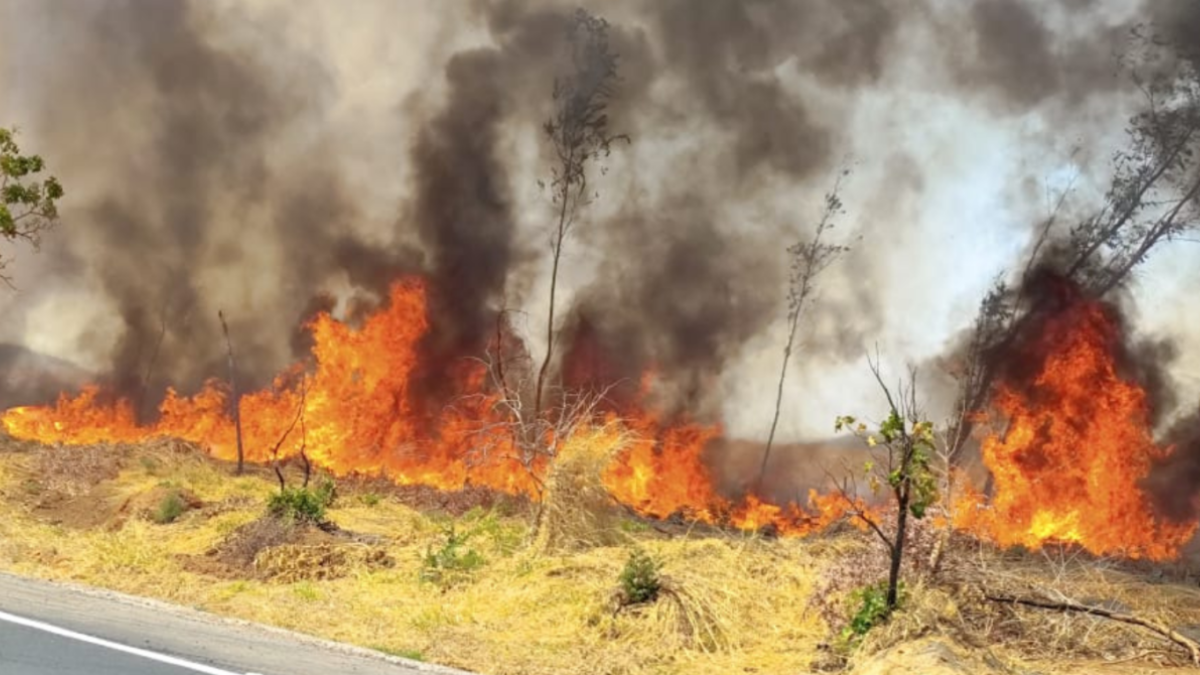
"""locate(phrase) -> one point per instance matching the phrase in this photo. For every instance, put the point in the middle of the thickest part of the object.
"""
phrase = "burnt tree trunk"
(233, 395)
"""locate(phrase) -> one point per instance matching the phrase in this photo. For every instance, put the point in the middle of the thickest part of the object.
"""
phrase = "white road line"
(115, 646)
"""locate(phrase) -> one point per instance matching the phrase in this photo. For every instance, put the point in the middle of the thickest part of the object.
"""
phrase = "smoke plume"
(273, 163)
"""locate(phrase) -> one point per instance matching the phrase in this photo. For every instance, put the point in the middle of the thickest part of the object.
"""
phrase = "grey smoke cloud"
(269, 162)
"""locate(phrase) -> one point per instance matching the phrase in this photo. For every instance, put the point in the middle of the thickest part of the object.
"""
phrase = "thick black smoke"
(1172, 483)
(197, 212)
(463, 208)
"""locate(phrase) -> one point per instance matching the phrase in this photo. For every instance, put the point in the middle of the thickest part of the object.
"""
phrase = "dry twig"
(1192, 647)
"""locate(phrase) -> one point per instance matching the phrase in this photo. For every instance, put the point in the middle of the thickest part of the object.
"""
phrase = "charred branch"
(274, 454)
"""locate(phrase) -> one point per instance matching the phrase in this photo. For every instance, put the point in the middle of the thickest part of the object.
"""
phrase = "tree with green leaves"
(28, 201)
(903, 447)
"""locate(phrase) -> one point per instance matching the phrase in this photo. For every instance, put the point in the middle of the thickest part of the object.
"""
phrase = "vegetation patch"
(302, 504)
(453, 560)
(289, 563)
(640, 581)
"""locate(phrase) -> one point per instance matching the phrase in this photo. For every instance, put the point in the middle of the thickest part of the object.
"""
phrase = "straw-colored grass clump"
(576, 511)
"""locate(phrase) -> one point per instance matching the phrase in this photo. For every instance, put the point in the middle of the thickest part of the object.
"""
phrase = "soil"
(145, 505)
(92, 510)
(270, 548)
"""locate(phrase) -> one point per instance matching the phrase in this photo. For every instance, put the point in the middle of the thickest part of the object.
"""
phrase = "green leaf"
(7, 227)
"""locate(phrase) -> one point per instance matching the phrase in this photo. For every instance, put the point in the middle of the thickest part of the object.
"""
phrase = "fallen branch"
(1184, 641)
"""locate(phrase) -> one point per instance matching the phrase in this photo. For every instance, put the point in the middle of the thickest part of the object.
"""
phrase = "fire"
(357, 418)
(1066, 469)
(1077, 444)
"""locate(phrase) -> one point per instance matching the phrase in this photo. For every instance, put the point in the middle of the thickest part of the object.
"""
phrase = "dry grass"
(1059, 575)
(730, 603)
(735, 602)
(956, 608)
(577, 512)
(74, 470)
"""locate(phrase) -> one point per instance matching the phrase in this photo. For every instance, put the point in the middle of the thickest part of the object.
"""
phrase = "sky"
(947, 176)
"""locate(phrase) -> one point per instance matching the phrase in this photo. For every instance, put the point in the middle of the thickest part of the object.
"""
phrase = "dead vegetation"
(1051, 607)
(72, 471)
(576, 511)
(503, 603)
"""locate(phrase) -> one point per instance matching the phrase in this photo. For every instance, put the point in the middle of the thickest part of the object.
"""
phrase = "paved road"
(54, 629)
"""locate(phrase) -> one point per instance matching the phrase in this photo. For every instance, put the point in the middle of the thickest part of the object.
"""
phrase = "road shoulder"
(192, 634)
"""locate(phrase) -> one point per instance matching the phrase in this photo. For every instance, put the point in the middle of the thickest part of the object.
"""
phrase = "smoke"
(202, 186)
(1172, 482)
(462, 209)
(1022, 54)
(273, 162)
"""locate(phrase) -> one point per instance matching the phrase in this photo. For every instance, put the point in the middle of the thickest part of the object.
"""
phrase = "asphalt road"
(55, 629)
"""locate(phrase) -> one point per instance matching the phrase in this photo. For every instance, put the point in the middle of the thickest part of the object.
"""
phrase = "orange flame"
(357, 419)
(1078, 443)
(1067, 469)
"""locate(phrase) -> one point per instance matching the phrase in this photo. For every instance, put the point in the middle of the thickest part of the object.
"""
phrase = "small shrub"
(640, 579)
(870, 609)
(327, 491)
(453, 557)
(370, 499)
(632, 526)
(169, 509)
(301, 504)
(505, 538)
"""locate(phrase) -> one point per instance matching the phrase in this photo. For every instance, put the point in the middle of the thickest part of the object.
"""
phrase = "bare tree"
(532, 441)
(234, 395)
(908, 446)
(808, 259)
(579, 133)
(1153, 198)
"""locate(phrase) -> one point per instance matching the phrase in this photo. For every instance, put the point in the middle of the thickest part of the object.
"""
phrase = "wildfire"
(1066, 468)
(357, 419)
(1077, 444)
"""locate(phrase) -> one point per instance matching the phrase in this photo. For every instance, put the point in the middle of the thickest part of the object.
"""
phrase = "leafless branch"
(274, 454)
(808, 260)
